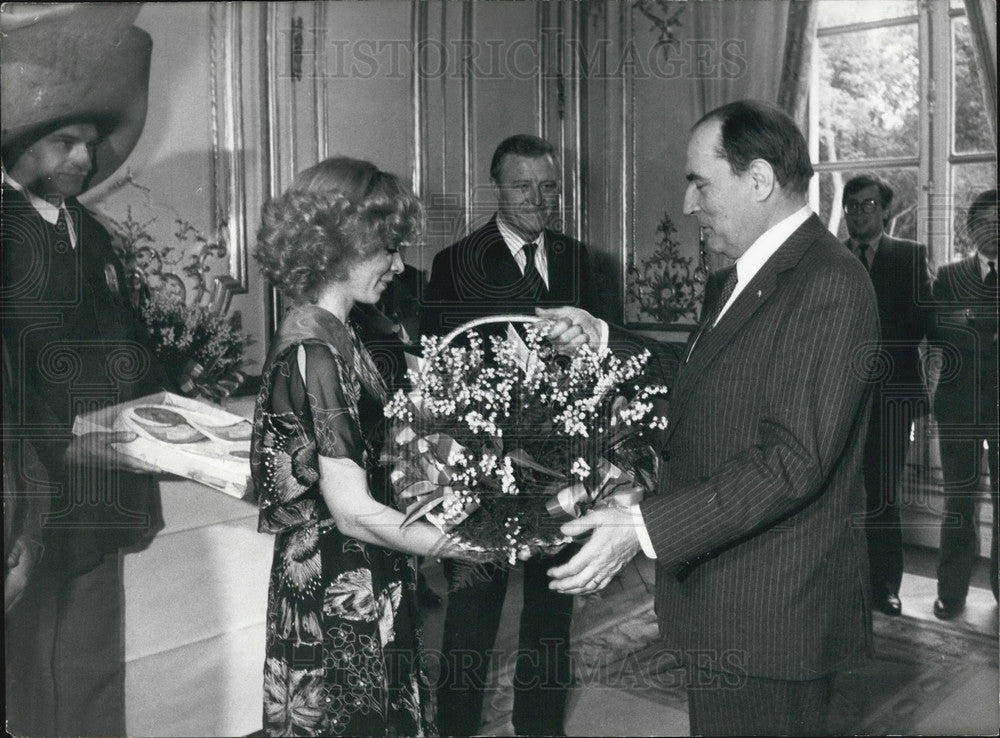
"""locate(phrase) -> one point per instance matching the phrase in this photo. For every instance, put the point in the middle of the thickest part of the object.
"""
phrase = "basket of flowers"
(498, 448)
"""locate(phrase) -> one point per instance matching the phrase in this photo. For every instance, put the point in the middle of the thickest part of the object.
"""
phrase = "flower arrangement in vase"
(199, 344)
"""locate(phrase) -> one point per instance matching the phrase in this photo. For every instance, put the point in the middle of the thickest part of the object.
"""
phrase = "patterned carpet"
(627, 685)
(918, 666)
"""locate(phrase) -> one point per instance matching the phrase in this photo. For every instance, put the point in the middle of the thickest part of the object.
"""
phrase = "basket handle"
(486, 321)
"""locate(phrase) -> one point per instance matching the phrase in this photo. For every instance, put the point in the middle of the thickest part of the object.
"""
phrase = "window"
(882, 102)
(972, 161)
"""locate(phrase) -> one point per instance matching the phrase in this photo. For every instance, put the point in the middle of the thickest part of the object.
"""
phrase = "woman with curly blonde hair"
(343, 633)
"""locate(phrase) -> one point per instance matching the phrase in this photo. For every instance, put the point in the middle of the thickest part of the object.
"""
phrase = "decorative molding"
(626, 32)
(271, 178)
(229, 192)
(541, 99)
(418, 95)
(468, 120)
(665, 15)
(295, 49)
(321, 97)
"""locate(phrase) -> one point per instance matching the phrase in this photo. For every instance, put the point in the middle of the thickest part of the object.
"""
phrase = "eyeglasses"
(852, 207)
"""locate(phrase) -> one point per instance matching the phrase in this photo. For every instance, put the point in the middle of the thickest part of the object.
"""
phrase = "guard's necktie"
(863, 254)
(728, 286)
(64, 240)
(990, 280)
(533, 284)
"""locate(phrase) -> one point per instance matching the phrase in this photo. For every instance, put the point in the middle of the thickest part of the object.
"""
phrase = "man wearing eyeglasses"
(901, 278)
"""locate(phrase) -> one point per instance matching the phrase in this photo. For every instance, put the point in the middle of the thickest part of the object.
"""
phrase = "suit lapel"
(491, 259)
(756, 294)
(563, 273)
(888, 265)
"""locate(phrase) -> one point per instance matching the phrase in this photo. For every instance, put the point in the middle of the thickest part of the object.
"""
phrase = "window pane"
(869, 94)
(902, 224)
(972, 127)
(842, 12)
(967, 181)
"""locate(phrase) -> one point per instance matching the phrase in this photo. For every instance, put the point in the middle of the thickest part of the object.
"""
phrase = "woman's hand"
(451, 548)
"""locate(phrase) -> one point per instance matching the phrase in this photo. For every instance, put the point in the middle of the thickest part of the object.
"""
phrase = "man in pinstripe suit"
(757, 525)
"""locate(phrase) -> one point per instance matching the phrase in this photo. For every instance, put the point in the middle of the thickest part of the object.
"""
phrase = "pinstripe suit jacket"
(760, 561)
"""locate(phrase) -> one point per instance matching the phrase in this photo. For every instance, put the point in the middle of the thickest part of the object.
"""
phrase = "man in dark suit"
(965, 402)
(902, 282)
(760, 578)
(74, 104)
(512, 264)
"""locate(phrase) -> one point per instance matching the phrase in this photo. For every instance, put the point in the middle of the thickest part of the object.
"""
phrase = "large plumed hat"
(67, 63)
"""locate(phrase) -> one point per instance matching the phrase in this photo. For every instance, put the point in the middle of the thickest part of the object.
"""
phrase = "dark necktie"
(990, 280)
(64, 242)
(533, 284)
(727, 291)
(863, 255)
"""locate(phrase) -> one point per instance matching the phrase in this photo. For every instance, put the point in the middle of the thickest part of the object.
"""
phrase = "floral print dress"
(343, 633)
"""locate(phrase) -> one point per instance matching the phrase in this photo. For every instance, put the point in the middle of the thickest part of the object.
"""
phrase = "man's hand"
(97, 450)
(572, 327)
(613, 544)
(24, 555)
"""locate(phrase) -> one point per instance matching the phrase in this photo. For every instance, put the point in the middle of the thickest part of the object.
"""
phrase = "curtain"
(746, 34)
(800, 37)
(982, 15)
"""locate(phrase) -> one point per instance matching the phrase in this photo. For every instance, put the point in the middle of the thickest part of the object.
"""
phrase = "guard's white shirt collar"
(48, 212)
(763, 249)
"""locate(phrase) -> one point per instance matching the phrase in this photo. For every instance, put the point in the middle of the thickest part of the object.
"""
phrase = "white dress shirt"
(869, 252)
(984, 265)
(761, 250)
(48, 212)
(516, 245)
(747, 266)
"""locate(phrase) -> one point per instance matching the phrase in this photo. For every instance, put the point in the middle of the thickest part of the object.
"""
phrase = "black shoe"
(426, 596)
(947, 609)
(889, 604)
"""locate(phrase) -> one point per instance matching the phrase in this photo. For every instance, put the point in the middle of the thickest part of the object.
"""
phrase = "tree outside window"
(869, 112)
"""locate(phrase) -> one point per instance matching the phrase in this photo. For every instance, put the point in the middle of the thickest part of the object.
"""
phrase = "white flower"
(507, 483)
(488, 463)
(580, 468)
(456, 456)
(658, 422)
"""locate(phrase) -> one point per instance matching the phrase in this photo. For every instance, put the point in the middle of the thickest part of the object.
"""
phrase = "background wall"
(170, 173)
(319, 79)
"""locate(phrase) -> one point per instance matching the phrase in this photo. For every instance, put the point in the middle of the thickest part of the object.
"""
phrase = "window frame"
(936, 157)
